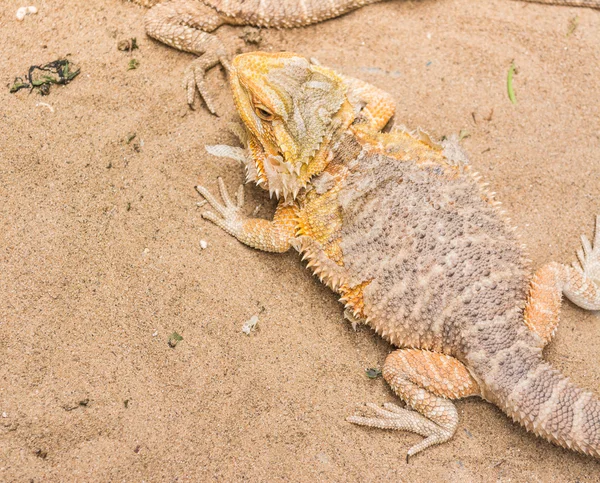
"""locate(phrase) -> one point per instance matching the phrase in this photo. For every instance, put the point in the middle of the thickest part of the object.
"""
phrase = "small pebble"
(155, 333)
(322, 457)
(203, 244)
(4, 415)
(251, 35)
(24, 11)
(250, 325)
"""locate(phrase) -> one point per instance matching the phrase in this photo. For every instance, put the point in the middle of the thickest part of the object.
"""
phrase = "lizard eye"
(264, 113)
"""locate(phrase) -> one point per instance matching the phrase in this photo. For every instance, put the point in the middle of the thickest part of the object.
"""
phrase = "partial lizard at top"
(186, 25)
(415, 245)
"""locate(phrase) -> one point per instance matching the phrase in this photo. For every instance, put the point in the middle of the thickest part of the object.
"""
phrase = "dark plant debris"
(573, 24)
(81, 404)
(133, 64)
(127, 45)
(41, 77)
(174, 339)
(40, 453)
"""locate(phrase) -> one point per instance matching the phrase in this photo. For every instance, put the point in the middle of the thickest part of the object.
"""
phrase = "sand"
(100, 256)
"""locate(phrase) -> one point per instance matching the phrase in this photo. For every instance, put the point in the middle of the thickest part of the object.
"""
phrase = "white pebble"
(250, 325)
(155, 333)
(4, 415)
(203, 244)
(24, 11)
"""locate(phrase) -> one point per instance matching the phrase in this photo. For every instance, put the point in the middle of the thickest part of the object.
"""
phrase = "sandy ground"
(100, 258)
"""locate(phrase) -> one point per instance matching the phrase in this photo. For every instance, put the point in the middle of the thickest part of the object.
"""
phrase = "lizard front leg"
(270, 236)
(580, 283)
(378, 106)
(184, 24)
(425, 381)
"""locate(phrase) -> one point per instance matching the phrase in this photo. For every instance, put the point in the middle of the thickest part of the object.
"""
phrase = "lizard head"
(291, 110)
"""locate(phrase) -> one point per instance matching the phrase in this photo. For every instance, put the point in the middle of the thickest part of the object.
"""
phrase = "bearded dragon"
(187, 25)
(418, 249)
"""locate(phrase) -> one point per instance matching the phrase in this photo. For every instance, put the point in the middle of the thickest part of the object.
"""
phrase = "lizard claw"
(228, 214)
(395, 417)
(187, 26)
(589, 254)
(193, 79)
(194, 75)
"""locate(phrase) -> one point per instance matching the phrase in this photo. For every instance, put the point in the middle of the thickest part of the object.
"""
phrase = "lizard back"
(425, 240)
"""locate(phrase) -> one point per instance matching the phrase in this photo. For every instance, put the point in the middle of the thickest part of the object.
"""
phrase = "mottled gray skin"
(293, 13)
(440, 257)
(448, 275)
(263, 13)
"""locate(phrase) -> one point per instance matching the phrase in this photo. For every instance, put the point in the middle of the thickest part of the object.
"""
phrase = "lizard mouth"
(270, 171)
(282, 178)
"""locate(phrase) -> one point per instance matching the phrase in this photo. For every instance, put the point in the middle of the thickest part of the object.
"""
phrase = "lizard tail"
(544, 401)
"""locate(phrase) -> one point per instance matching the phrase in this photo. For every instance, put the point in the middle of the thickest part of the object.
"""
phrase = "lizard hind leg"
(185, 26)
(580, 283)
(425, 381)
(589, 258)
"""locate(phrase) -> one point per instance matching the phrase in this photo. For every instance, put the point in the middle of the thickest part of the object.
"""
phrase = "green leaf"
(509, 84)
(573, 24)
